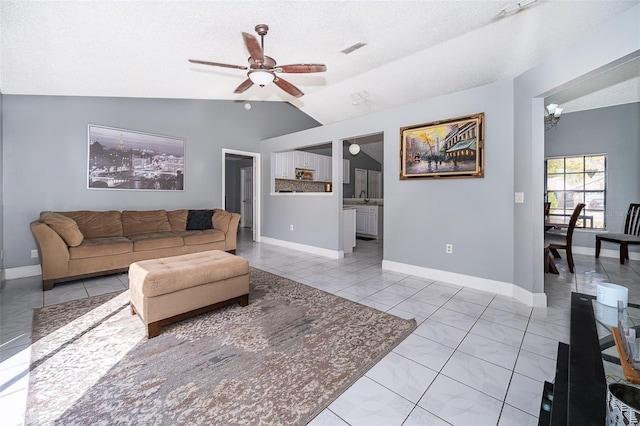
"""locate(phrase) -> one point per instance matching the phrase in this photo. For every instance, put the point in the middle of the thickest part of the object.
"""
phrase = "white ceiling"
(414, 50)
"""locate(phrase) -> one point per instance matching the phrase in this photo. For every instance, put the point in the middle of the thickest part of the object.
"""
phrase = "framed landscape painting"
(443, 149)
(126, 159)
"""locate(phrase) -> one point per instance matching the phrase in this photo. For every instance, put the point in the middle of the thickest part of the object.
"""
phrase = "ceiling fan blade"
(218, 64)
(288, 87)
(255, 51)
(302, 68)
(244, 86)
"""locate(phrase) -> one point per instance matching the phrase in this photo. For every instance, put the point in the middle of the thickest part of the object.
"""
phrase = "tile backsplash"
(299, 185)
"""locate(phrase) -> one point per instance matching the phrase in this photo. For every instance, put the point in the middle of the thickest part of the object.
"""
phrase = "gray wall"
(359, 161)
(1, 194)
(614, 131)
(420, 216)
(616, 41)
(45, 153)
(492, 237)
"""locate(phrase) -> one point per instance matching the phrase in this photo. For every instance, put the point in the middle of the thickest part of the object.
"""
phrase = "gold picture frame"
(452, 148)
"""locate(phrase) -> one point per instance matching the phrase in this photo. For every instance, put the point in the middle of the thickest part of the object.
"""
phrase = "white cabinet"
(323, 168)
(305, 160)
(346, 171)
(284, 168)
(368, 221)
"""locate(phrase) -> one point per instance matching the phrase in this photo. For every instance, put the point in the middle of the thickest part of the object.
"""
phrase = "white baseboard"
(333, 254)
(22, 272)
(591, 251)
(506, 289)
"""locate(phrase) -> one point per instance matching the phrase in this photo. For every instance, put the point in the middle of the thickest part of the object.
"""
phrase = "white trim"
(333, 254)
(257, 185)
(591, 251)
(22, 272)
(498, 287)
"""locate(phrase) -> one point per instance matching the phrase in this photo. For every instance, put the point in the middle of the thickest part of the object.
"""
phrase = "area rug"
(280, 360)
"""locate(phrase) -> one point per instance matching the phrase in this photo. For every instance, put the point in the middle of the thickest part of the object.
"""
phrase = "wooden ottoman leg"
(153, 329)
(133, 310)
(244, 300)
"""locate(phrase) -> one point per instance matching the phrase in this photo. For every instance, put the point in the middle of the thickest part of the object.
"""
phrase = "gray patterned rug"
(280, 360)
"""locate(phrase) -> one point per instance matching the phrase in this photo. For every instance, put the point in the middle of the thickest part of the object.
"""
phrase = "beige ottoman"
(171, 289)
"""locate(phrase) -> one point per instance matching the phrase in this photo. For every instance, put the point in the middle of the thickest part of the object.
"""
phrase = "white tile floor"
(475, 359)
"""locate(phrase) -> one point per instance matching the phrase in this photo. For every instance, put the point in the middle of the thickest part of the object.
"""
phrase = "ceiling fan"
(262, 69)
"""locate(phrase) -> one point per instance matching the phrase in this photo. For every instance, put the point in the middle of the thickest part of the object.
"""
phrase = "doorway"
(241, 188)
(246, 197)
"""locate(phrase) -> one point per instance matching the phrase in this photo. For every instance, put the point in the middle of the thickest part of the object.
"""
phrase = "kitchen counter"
(362, 202)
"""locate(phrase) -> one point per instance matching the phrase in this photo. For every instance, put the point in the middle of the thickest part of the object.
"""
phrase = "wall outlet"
(34, 254)
(291, 227)
(449, 248)
(519, 197)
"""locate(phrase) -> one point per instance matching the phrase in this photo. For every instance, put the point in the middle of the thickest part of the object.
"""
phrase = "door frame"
(256, 186)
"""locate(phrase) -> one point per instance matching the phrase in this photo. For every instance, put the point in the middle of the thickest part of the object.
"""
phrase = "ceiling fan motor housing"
(262, 29)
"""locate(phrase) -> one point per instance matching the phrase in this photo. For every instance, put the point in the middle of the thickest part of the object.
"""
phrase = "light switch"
(519, 197)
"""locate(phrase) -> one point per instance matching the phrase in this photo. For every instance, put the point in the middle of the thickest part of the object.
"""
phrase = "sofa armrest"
(232, 233)
(52, 250)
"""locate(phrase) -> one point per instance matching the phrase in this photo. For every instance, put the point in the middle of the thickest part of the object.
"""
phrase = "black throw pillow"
(199, 220)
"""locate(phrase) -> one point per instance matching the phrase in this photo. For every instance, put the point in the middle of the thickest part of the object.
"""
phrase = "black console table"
(579, 392)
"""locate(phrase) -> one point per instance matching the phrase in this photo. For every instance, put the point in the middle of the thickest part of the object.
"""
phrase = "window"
(573, 180)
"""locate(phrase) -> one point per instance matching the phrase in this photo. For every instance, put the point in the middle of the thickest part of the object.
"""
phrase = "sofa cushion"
(64, 226)
(156, 240)
(193, 238)
(95, 224)
(221, 220)
(98, 247)
(199, 220)
(178, 220)
(144, 222)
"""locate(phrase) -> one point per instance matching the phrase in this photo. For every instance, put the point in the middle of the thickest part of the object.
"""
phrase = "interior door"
(246, 197)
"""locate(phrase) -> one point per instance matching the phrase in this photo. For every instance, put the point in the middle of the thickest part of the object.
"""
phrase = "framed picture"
(126, 159)
(443, 149)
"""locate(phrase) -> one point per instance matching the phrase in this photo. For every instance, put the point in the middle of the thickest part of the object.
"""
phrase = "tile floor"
(475, 359)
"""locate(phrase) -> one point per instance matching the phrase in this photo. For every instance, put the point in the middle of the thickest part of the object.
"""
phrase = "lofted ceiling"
(414, 50)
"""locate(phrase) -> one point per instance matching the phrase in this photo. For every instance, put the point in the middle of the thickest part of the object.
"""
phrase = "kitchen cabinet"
(369, 221)
(284, 167)
(346, 171)
(323, 168)
(305, 160)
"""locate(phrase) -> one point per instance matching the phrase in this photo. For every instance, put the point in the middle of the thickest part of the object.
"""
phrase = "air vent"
(353, 48)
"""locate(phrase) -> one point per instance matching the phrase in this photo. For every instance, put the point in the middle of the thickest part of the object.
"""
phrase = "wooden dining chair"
(631, 235)
(554, 242)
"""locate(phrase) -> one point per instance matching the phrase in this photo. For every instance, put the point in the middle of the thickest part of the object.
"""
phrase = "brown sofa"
(80, 244)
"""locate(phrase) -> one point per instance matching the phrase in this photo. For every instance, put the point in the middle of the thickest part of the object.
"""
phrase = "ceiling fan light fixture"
(261, 77)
